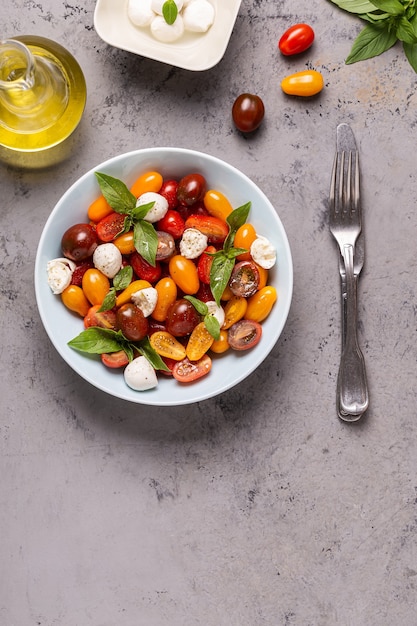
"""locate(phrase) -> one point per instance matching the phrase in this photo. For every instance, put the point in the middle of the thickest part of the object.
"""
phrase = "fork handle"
(352, 384)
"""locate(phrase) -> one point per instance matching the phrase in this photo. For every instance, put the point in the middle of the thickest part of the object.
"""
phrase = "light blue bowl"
(61, 325)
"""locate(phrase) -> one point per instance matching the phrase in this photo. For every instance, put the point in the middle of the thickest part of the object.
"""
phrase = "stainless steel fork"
(345, 225)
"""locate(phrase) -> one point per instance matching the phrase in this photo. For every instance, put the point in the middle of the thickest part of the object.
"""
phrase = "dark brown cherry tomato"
(110, 226)
(191, 189)
(244, 280)
(186, 371)
(248, 112)
(115, 360)
(169, 191)
(145, 270)
(132, 322)
(172, 223)
(182, 318)
(79, 242)
(244, 334)
(166, 246)
(296, 39)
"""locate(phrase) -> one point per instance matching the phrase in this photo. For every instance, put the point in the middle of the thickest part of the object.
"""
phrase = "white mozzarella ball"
(198, 16)
(158, 4)
(216, 311)
(140, 375)
(108, 259)
(140, 12)
(145, 300)
(193, 243)
(159, 208)
(60, 274)
(263, 252)
(167, 33)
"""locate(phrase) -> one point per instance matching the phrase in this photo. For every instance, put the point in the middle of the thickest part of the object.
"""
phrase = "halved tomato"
(110, 226)
(215, 229)
(186, 371)
(115, 360)
(103, 319)
(244, 334)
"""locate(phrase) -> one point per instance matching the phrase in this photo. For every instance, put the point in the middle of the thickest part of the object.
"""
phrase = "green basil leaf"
(371, 41)
(146, 241)
(169, 11)
(232, 253)
(123, 278)
(200, 307)
(405, 31)
(393, 7)
(146, 350)
(95, 340)
(213, 326)
(139, 212)
(116, 193)
(411, 54)
(235, 220)
(355, 6)
(109, 301)
(220, 272)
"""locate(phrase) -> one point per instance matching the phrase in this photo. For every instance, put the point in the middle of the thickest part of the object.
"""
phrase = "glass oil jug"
(42, 99)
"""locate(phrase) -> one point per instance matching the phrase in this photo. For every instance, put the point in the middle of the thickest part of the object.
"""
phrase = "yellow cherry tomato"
(95, 285)
(167, 294)
(217, 204)
(184, 273)
(220, 345)
(149, 181)
(99, 209)
(306, 83)
(227, 294)
(263, 276)
(199, 342)
(245, 236)
(261, 303)
(125, 296)
(74, 299)
(125, 242)
(166, 345)
(234, 310)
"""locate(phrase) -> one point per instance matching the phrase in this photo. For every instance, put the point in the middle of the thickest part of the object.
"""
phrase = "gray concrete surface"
(258, 507)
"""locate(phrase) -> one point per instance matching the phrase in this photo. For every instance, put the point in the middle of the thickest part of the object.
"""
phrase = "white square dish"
(194, 52)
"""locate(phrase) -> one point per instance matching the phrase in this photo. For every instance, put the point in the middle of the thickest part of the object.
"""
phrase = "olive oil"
(42, 99)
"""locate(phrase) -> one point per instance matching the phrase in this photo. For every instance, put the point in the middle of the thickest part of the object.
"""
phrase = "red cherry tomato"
(103, 319)
(79, 242)
(215, 229)
(244, 334)
(169, 191)
(191, 189)
(110, 226)
(248, 112)
(172, 223)
(296, 39)
(145, 270)
(115, 360)
(80, 270)
(186, 371)
(204, 265)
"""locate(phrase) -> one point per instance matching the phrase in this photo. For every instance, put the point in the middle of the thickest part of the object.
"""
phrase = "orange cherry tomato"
(306, 83)
(220, 345)
(99, 209)
(125, 296)
(166, 345)
(261, 303)
(199, 342)
(186, 371)
(217, 204)
(184, 273)
(227, 294)
(74, 299)
(149, 181)
(263, 276)
(95, 286)
(167, 294)
(125, 242)
(245, 236)
(234, 310)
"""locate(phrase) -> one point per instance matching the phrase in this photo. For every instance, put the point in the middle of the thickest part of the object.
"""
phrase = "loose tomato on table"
(306, 83)
(248, 112)
(187, 371)
(296, 39)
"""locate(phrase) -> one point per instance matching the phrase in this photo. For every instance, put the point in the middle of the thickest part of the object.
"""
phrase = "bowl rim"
(40, 281)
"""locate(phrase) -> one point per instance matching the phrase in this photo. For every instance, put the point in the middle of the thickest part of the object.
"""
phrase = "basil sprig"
(224, 260)
(122, 200)
(389, 21)
(210, 322)
(122, 279)
(170, 11)
(96, 340)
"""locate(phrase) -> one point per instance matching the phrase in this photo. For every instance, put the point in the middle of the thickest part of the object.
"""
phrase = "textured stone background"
(257, 507)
